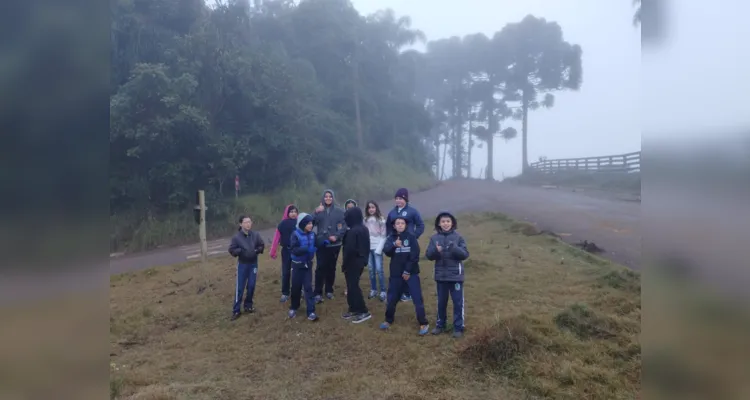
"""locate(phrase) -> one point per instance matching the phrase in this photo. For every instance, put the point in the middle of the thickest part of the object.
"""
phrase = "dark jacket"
(329, 222)
(449, 264)
(302, 244)
(414, 223)
(404, 259)
(286, 228)
(246, 246)
(356, 240)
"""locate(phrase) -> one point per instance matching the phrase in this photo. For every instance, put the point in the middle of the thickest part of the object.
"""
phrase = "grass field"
(543, 320)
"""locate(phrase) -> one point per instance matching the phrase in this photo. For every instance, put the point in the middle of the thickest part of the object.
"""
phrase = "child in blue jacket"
(302, 249)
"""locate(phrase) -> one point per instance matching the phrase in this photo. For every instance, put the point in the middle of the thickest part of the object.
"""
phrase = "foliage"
(486, 80)
(291, 94)
(202, 93)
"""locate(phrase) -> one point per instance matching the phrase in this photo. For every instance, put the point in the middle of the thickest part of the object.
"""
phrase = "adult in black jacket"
(356, 244)
(403, 249)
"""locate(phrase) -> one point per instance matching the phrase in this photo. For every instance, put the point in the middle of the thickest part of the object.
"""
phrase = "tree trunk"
(355, 84)
(525, 130)
(490, 152)
(458, 145)
(471, 143)
(445, 153)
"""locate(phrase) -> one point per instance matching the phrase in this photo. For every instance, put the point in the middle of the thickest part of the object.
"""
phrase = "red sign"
(236, 182)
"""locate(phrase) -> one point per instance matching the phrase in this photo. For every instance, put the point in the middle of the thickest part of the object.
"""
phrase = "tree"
(542, 63)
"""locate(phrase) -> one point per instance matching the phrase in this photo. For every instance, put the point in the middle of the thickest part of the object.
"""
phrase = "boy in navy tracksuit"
(302, 248)
(403, 249)
(448, 249)
(413, 222)
(245, 245)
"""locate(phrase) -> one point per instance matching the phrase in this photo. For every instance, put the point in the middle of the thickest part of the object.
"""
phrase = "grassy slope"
(544, 320)
(375, 176)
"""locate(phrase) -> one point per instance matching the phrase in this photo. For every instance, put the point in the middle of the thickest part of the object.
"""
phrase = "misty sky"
(602, 118)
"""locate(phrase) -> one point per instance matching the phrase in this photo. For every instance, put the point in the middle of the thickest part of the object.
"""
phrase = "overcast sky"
(601, 119)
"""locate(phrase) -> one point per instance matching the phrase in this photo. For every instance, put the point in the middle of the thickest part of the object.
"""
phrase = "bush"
(500, 346)
(372, 176)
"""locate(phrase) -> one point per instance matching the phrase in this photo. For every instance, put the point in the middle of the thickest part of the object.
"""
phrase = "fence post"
(202, 224)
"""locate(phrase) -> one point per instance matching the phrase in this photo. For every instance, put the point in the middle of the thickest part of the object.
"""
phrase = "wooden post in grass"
(202, 224)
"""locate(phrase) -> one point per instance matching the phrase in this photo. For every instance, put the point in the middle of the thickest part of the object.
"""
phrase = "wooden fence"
(622, 163)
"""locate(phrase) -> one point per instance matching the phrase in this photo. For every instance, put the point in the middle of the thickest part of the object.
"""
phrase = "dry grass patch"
(170, 336)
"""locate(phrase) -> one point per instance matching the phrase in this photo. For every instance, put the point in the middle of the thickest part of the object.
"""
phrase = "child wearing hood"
(330, 224)
(283, 234)
(302, 249)
(403, 249)
(356, 244)
(448, 250)
(350, 203)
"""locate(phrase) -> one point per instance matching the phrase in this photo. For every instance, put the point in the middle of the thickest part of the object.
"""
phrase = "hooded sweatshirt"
(356, 241)
(404, 259)
(329, 222)
(449, 264)
(283, 232)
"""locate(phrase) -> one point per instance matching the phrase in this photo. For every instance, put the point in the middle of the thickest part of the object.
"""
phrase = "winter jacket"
(329, 222)
(356, 242)
(449, 264)
(377, 230)
(283, 232)
(246, 246)
(414, 223)
(301, 243)
(404, 259)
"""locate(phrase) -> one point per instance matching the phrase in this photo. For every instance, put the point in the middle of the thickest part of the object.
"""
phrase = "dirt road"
(612, 224)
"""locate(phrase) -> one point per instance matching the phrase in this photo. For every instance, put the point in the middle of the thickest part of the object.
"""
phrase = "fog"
(603, 118)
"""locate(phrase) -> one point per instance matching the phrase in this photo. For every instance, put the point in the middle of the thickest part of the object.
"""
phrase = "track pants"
(396, 286)
(454, 290)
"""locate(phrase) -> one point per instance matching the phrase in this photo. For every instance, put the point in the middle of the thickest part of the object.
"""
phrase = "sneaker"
(405, 297)
(318, 299)
(250, 310)
(284, 298)
(423, 329)
(235, 316)
(438, 330)
(382, 296)
(359, 318)
(329, 296)
(347, 316)
(384, 326)
(458, 334)
(312, 317)
(372, 294)
(292, 314)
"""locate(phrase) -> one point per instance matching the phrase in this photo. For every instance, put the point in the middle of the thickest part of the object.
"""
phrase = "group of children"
(363, 238)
